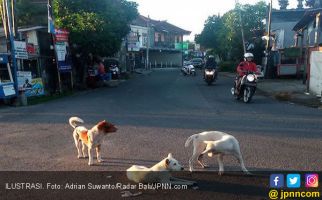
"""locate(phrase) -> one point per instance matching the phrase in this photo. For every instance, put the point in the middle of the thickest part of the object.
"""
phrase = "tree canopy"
(96, 26)
(223, 33)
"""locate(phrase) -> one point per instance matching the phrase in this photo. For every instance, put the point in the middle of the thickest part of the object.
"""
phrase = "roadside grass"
(47, 98)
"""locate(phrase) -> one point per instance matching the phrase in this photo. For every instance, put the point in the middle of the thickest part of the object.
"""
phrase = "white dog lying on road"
(214, 142)
(159, 173)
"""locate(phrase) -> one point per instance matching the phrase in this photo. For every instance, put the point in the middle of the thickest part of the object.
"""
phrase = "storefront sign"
(24, 80)
(37, 88)
(133, 46)
(61, 35)
(63, 58)
(21, 50)
(182, 45)
(8, 90)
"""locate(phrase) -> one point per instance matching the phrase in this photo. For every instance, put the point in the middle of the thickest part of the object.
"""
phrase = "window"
(4, 73)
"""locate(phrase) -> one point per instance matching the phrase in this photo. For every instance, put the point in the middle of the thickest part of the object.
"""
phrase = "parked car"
(197, 62)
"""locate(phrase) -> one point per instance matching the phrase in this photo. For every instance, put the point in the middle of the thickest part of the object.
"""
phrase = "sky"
(192, 14)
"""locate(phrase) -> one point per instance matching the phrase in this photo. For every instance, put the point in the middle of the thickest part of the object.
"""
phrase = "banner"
(63, 57)
(24, 80)
(61, 35)
(37, 88)
(21, 50)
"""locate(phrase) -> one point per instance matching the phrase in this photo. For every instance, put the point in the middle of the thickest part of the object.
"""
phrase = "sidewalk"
(142, 71)
(289, 90)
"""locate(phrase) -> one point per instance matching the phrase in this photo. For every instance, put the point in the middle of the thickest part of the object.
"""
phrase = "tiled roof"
(308, 17)
(161, 26)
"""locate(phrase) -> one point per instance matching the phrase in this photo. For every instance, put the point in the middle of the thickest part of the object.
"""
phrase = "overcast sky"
(191, 14)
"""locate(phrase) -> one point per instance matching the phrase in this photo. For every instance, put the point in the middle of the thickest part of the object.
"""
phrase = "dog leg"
(221, 164)
(241, 162)
(90, 156)
(193, 158)
(200, 161)
(83, 151)
(98, 153)
(77, 144)
(197, 149)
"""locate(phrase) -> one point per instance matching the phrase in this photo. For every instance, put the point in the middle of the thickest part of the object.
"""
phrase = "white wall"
(316, 73)
(166, 58)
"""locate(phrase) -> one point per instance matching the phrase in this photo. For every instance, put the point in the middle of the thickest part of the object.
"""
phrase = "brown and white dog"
(90, 138)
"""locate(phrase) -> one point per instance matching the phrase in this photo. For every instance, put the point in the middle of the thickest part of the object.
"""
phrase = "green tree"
(30, 14)
(223, 34)
(96, 26)
(212, 34)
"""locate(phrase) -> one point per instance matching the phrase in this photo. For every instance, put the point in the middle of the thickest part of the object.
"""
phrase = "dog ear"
(170, 155)
(167, 162)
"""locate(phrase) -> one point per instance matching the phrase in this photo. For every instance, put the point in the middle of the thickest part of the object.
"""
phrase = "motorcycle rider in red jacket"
(243, 68)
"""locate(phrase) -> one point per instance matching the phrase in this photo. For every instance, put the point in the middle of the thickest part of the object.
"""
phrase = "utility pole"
(241, 24)
(148, 45)
(8, 4)
(268, 38)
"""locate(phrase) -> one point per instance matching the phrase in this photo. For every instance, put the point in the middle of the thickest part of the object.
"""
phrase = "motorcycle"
(210, 75)
(188, 70)
(247, 88)
(115, 72)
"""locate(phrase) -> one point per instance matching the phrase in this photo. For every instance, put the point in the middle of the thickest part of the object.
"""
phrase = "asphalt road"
(155, 114)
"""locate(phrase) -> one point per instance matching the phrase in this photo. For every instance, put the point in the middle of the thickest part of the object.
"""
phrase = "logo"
(311, 180)
(293, 180)
(276, 180)
(273, 194)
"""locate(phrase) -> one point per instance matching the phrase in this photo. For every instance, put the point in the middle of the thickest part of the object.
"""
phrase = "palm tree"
(283, 4)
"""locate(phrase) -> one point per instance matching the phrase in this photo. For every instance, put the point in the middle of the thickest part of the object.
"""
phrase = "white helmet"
(248, 55)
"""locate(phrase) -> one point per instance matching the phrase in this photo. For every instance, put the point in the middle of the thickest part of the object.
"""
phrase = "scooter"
(115, 72)
(188, 70)
(210, 75)
(247, 87)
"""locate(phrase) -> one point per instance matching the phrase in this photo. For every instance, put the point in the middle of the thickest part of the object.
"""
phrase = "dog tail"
(73, 120)
(189, 141)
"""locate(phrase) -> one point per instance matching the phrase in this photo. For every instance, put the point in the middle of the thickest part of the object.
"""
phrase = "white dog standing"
(159, 173)
(214, 142)
(92, 139)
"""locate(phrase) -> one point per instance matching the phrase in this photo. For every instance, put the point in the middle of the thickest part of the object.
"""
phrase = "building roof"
(31, 28)
(307, 18)
(291, 15)
(161, 26)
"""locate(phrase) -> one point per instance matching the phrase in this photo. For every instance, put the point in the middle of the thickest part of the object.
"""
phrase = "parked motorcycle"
(210, 75)
(114, 71)
(247, 87)
(188, 70)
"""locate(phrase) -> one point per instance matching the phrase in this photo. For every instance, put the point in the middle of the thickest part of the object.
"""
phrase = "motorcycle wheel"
(247, 96)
